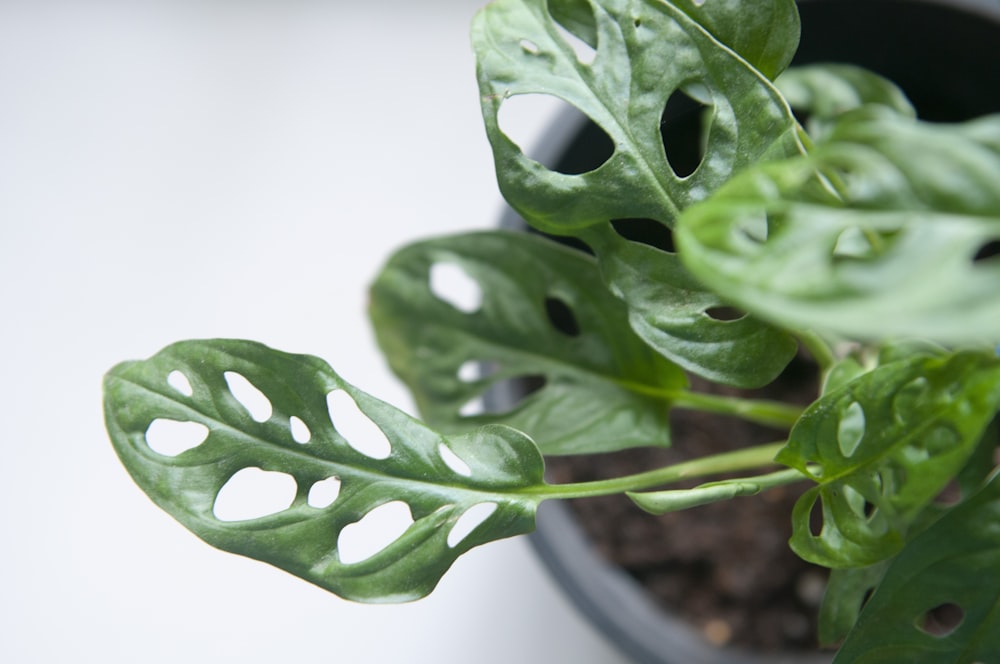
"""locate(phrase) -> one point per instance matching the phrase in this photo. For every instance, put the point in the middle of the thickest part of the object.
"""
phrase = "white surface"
(184, 169)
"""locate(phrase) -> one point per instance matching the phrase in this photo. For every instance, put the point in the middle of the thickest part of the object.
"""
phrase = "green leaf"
(780, 243)
(676, 315)
(544, 317)
(646, 51)
(848, 589)
(952, 564)
(881, 448)
(439, 479)
(764, 32)
(823, 92)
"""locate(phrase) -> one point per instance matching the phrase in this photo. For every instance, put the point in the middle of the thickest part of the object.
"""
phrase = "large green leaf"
(440, 479)
(902, 247)
(953, 564)
(543, 316)
(881, 448)
(646, 51)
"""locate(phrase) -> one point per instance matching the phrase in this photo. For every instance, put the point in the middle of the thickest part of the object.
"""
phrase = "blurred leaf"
(953, 564)
(823, 92)
(497, 464)
(780, 243)
(544, 318)
(881, 448)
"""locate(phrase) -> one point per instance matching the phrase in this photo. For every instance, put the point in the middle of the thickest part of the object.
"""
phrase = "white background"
(200, 168)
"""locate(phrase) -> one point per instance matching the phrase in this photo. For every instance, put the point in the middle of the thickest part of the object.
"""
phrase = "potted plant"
(866, 244)
(736, 583)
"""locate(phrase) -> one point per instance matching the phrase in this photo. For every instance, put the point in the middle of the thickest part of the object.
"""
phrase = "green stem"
(760, 411)
(770, 413)
(751, 457)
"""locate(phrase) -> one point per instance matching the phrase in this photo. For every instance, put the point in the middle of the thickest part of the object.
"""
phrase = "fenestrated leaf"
(645, 52)
(823, 92)
(495, 465)
(900, 250)
(953, 563)
(882, 447)
(848, 589)
(603, 388)
(672, 312)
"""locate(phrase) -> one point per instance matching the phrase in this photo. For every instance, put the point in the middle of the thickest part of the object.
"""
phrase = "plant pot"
(943, 54)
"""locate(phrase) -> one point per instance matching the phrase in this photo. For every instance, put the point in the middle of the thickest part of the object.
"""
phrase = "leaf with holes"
(248, 409)
(940, 598)
(542, 321)
(881, 448)
(646, 54)
(851, 258)
(848, 589)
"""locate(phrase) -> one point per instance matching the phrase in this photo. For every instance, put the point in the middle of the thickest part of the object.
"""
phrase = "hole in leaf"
(453, 461)
(472, 408)
(752, 228)
(529, 47)
(941, 620)
(172, 437)
(360, 432)
(253, 493)
(950, 495)
(378, 529)
(851, 429)
(518, 119)
(725, 314)
(180, 382)
(585, 53)
(469, 521)
(450, 283)
(508, 395)
(646, 231)
(682, 127)
(561, 316)
(852, 244)
(324, 493)
(300, 432)
(987, 252)
(816, 518)
(470, 371)
(252, 399)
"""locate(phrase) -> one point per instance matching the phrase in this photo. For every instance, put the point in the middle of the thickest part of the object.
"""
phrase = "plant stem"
(770, 413)
(751, 457)
(760, 411)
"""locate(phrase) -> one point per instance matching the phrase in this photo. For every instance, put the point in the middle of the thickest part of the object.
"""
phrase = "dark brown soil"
(726, 568)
